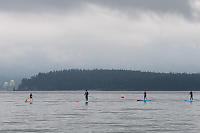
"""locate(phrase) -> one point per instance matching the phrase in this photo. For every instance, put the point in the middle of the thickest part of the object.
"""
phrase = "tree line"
(108, 80)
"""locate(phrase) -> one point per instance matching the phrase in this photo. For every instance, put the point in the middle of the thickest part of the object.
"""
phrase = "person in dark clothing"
(86, 95)
(145, 95)
(191, 95)
(31, 96)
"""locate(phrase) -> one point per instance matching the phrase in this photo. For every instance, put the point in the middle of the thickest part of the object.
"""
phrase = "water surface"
(108, 113)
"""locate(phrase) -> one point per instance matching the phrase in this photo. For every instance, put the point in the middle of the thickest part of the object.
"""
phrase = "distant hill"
(100, 79)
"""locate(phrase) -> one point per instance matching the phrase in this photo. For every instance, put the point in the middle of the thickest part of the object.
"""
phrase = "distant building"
(5, 85)
(9, 85)
(12, 83)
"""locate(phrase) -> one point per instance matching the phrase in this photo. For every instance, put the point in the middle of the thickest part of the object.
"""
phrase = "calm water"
(58, 112)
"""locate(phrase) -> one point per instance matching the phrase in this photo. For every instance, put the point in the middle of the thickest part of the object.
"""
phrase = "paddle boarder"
(145, 95)
(86, 95)
(191, 95)
(31, 96)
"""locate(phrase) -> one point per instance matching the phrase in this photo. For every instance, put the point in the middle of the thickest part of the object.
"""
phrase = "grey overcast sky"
(147, 35)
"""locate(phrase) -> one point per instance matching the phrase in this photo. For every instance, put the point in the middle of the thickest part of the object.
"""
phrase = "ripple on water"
(58, 112)
(27, 130)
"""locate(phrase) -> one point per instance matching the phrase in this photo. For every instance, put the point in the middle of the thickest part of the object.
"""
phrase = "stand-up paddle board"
(189, 100)
(142, 100)
(84, 101)
(28, 101)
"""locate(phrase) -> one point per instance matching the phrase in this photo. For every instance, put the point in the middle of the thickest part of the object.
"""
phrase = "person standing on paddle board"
(191, 95)
(86, 95)
(31, 96)
(145, 95)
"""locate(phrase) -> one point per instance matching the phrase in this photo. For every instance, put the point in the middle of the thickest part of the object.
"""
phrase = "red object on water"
(122, 96)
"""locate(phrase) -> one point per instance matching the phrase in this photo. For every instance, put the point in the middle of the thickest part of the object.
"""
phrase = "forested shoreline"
(108, 80)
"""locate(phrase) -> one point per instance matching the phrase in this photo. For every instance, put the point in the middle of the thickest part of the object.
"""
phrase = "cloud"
(98, 34)
(160, 6)
(38, 5)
